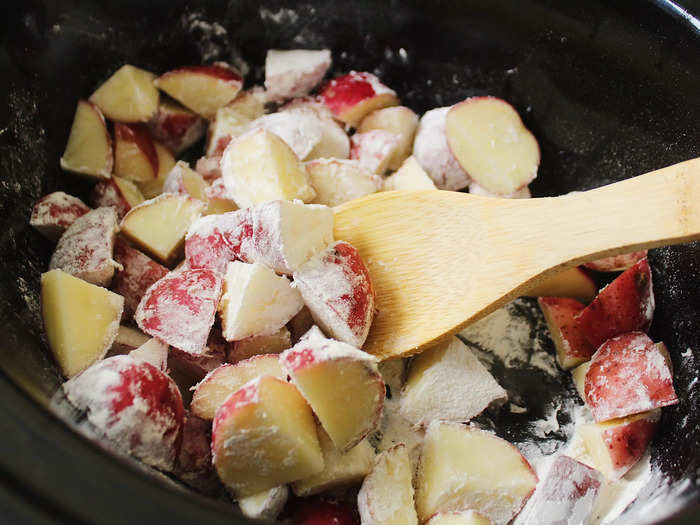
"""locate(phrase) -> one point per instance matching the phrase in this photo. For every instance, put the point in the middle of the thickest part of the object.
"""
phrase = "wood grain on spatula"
(440, 260)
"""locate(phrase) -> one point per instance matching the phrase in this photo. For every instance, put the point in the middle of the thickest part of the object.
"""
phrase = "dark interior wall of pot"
(609, 89)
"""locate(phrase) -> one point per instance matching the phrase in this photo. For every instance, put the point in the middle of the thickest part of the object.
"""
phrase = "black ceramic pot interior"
(610, 90)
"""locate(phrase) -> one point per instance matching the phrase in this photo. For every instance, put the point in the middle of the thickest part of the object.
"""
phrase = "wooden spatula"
(440, 260)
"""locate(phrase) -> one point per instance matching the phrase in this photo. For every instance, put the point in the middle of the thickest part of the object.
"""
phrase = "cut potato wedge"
(89, 148)
(128, 95)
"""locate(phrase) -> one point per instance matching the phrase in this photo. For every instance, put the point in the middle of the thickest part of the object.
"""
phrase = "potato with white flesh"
(85, 248)
(401, 121)
(409, 176)
(615, 446)
(259, 167)
(566, 495)
(287, 234)
(128, 95)
(341, 383)
(81, 320)
(135, 155)
(337, 289)
(209, 168)
(571, 345)
(231, 120)
(176, 127)
(574, 283)
(153, 352)
(127, 339)
(153, 187)
(522, 193)
(628, 374)
(259, 344)
(616, 263)
(120, 193)
(463, 467)
(334, 142)
(339, 180)
(341, 469)
(625, 305)
(300, 128)
(256, 301)
(89, 148)
(432, 152)
(220, 383)
(491, 143)
(218, 199)
(386, 495)
(295, 72)
(158, 226)
(215, 240)
(137, 274)
(353, 96)
(265, 505)
(448, 383)
(578, 375)
(374, 149)
(55, 212)
(134, 405)
(179, 309)
(203, 89)
(264, 435)
(465, 517)
(183, 180)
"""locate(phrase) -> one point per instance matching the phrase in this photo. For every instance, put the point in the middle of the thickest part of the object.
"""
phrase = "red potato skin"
(213, 70)
(625, 305)
(616, 263)
(137, 134)
(139, 273)
(177, 129)
(628, 375)
(209, 168)
(362, 300)
(627, 443)
(346, 91)
(107, 193)
(562, 311)
(214, 248)
(318, 511)
(55, 212)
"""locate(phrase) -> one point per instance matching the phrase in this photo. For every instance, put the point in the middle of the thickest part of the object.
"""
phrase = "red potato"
(300, 128)
(126, 340)
(211, 392)
(264, 435)
(616, 445)
(179, 309)
(185, 181)
(574, 283)
(209, 168)
(432, 152)
(85, 248)
(231, 120)
(522, 193)
(625, 305)
(401, 121)
(334, 141)
(337, 288)
(134, 405)
(218, 198)
(215, 240)
(258, 345)
(339, 180)
(375, 149)
(55, 212)
(135, 156)
(491, 143)
(571, 345)
(286, 234)
(628, 374)
(317, 511)
(154, 187)
(128, 95)
(353, 96)
(193, 466)
(120, 193)
(329, 374)
(138, 273)
(294, 73)
(265, 505)
(153, 352)
(409, 176)
(89, 148)
(566, 495)
(203, 89)
(616, 263)
(176, 127)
